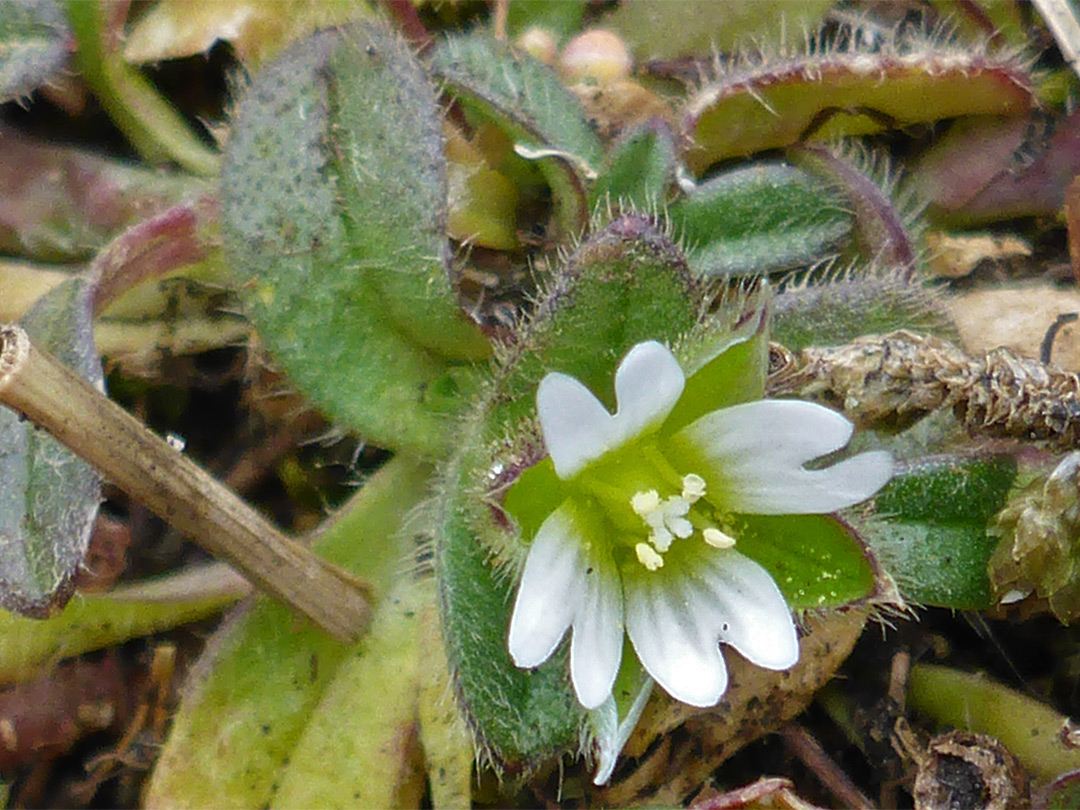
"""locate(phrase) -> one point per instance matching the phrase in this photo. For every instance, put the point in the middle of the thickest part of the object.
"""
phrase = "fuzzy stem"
(174, 487)
(152, 125)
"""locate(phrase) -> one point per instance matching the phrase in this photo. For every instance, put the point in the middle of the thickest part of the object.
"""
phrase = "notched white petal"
(669, 641)
(742, 605)
(648, 383)
(755, 453)
(551, 586)
(577, 427)
(596, 646)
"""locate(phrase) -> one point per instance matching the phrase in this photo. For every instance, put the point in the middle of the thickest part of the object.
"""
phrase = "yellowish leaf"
(173, 29)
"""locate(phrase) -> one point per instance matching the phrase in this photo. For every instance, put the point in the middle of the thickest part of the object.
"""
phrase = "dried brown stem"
(803, 745)
(174, 487)
(895, 379)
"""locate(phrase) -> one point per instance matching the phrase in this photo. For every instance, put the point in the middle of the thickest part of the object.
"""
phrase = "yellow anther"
(718, 539)
(693, 488)
(648, 556)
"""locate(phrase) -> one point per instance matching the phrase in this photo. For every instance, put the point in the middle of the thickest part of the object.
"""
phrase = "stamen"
(674, 511)
(645, 503)
(660, 537)
(693, 488)
(718, 539)
(648, 556)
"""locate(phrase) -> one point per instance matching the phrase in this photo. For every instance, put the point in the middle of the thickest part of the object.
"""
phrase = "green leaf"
(930, 528)
(830, 94)
(48, 496)
(335, 220)
(33, 45)
(759, 219)
(526, 100)
(359, 746)
(262, 674)
(948, 489)
(940, 565)
(702, 27)
(520, 717)
(816, 560)
(639, 169)
(836, 312)
(96, 621)
(386, 130)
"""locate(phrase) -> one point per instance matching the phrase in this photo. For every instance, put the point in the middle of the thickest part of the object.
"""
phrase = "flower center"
(671, 518)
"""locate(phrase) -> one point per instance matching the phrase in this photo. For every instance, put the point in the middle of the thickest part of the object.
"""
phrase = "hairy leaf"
(48, 496)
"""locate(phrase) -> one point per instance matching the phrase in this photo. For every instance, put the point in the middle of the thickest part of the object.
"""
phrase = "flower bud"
(596, 55)
(539, 43)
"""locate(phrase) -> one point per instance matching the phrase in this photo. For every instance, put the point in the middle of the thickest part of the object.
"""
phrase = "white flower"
(644, 543)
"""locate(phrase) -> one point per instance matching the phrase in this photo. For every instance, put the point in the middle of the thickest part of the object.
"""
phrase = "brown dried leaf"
(1017, 318)
(954, 255)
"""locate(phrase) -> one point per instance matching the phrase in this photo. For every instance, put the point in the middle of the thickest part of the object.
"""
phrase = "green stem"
(1028, 728)
(154, 127)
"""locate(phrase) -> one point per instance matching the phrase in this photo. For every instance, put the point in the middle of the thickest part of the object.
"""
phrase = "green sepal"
(535, 495)
(759, 219)
(334, 225)
(726, 365)
(639, 169)
(526, 100)
(611, 723)
(816, 560)
(626, 284)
